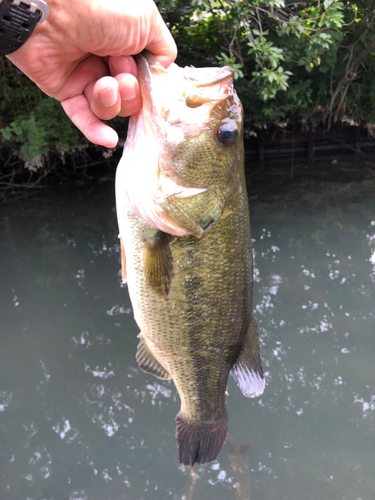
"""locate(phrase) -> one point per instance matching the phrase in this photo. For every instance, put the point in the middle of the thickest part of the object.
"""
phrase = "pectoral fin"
(148, 363)
(123, 262)
(247, 370)
(158, 264)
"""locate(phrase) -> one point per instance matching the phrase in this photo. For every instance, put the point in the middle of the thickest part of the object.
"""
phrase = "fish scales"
(190, 275)
(210, 316)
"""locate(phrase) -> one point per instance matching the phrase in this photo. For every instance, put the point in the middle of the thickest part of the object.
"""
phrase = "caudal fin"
(199, 442)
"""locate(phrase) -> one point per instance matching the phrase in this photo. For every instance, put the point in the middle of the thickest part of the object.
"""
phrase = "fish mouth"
(179, 107)
(167, 94)
(150, 72)
(149, 68)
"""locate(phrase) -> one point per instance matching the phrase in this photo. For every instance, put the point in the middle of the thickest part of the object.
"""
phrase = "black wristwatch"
(18, 19)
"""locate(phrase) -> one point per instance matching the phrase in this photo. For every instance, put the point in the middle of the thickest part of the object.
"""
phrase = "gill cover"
(176, 167)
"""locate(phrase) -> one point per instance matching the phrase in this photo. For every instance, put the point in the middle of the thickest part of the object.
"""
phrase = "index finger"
(78, 110)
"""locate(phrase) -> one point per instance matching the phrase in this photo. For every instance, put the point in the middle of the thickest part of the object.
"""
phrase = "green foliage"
(31, 123)
(225, 60)
(293, 61)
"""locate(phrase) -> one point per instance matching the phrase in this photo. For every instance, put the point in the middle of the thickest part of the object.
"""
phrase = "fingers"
(160, 41)
(103, 98)
(118, 95)
(124, 71)
(165, 58)
(78, 110)
(129, 93)
(110, 97)
(122, 64)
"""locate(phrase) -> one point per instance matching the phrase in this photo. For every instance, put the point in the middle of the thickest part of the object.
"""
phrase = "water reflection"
(80, 421)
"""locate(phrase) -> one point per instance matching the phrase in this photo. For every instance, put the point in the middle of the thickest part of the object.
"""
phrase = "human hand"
(81, 56)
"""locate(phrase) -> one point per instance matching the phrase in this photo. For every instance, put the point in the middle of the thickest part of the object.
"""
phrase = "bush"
(32, 124)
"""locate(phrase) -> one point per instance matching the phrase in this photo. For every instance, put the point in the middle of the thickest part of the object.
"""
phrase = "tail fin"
(199, 442)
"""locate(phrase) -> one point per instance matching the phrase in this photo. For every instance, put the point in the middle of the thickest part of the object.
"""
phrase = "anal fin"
(159, 264)
(148, 363)
(247, 370)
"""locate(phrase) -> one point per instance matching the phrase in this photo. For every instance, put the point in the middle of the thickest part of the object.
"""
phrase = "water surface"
(79, 420)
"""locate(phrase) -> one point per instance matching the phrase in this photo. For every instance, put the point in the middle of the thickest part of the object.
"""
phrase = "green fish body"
(186, 246)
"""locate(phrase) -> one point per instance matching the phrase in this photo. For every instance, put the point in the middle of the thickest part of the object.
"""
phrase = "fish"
(186, 253)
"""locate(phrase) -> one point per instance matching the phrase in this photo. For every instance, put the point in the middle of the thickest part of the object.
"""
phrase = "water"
(78, 420)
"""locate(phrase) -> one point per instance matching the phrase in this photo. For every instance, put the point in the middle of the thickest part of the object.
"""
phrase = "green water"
(79, 420)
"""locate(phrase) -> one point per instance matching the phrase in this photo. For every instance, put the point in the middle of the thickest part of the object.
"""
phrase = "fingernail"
(109, 96)
(128, 92)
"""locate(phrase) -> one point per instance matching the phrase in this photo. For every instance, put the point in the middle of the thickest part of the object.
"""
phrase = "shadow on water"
(80, 421)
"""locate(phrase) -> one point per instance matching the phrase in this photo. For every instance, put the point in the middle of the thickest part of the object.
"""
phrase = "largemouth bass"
(186, 248)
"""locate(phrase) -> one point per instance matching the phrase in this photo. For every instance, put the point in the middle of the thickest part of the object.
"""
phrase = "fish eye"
(227, 134)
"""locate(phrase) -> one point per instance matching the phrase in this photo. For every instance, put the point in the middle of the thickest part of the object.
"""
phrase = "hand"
(81, 56)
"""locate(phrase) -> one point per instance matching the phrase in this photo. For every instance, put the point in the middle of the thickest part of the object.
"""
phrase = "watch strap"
(17, 22)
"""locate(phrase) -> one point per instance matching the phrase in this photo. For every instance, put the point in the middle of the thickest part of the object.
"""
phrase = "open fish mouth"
(180, 108)
(169, 94)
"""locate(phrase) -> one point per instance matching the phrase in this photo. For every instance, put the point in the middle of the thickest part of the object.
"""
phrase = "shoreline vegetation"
(286, 149)
(304, 72)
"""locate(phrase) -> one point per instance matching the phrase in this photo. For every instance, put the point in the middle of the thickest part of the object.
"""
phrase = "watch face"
(17, 22)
